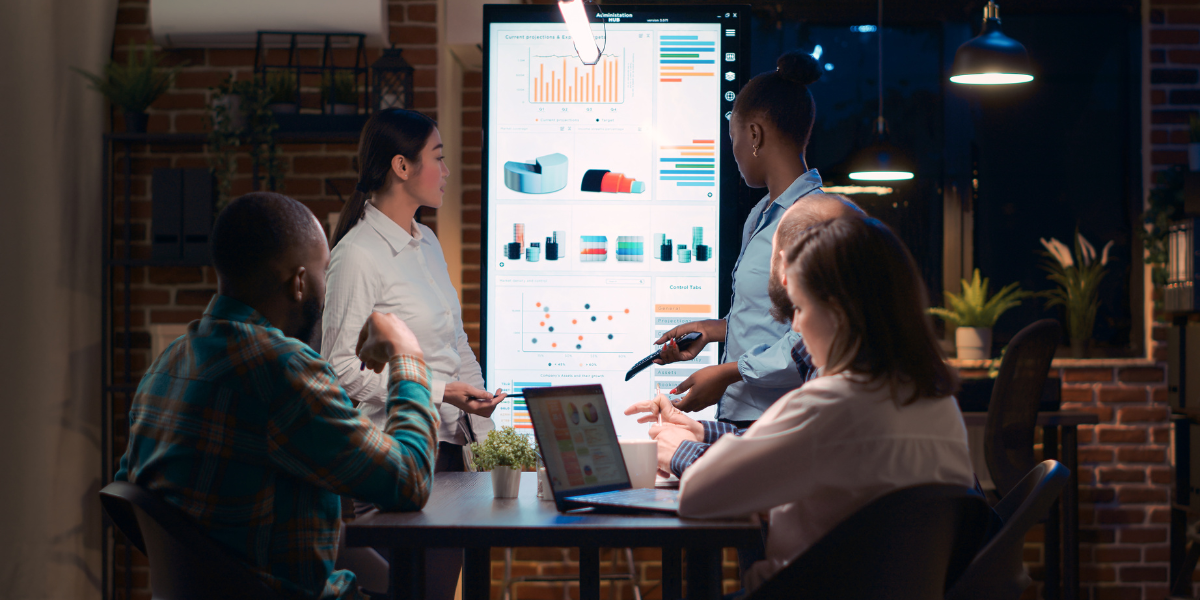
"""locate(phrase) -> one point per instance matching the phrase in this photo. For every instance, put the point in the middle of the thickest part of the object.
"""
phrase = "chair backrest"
(908, 545)
(185, 563)
(998, 571)
(1012, 413)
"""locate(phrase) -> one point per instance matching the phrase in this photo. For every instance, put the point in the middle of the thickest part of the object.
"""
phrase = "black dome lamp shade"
(880, 160)
(991, 58)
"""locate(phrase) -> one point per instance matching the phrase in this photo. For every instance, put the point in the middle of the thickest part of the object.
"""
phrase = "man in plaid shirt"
(241, 425)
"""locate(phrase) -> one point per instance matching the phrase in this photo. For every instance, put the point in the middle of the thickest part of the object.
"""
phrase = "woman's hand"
(705, 387)
(711, 330)
(660, 411)
(471, 399)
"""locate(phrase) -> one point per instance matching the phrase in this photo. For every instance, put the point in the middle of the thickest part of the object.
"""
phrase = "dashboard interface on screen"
(576, 439)
(602, 196)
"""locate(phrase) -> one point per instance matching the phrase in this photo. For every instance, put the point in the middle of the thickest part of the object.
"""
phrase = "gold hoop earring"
(756, 152)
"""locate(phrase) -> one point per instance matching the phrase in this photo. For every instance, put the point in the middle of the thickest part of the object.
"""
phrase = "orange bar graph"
(559, 83)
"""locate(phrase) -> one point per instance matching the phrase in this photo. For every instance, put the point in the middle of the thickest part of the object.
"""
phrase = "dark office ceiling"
(899, 12)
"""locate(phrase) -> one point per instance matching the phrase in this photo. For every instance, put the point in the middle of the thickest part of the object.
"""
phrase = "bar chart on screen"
(690, 163)
(562, 79)
(682, 57)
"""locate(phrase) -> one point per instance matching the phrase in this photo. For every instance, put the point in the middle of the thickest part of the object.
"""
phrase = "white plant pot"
(1194, 156)
(506, 482)
(974, 343)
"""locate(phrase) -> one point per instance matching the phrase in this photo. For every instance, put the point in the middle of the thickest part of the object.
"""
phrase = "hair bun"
(798, 66)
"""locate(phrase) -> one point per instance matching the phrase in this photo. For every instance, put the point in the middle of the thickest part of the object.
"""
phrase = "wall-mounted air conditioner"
(233, 23)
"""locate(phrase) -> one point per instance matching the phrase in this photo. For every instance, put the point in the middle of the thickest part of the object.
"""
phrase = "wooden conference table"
(462, 513)
(1052, 424)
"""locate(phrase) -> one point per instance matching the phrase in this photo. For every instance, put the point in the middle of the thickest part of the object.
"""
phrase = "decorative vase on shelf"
(973, 343)
(1079, 348)
(135, 121)
(339, 108)
(1194, 156)
(506, 482)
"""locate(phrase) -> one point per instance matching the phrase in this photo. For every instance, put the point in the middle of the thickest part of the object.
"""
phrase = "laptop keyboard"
(633, 497)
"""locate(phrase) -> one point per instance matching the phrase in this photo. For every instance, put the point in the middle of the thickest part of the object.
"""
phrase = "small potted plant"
(1078, 289)
(281, 93)
(135, 85)
(339, 93)
(975, 314)
(505, 453)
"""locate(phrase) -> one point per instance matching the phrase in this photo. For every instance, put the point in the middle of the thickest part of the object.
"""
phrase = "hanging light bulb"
(581, 31)
(880, 161)
(991, 58)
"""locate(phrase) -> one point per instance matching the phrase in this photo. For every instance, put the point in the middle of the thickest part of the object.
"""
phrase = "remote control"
(683, 342)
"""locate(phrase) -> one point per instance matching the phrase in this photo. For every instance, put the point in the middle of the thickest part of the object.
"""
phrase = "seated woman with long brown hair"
(879, 418)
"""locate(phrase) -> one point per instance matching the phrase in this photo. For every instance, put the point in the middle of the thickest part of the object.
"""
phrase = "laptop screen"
(575, 432)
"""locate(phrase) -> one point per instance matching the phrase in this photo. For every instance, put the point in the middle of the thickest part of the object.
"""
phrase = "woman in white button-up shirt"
(383, 260)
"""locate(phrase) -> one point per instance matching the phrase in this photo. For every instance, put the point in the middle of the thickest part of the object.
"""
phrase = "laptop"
(575, 433)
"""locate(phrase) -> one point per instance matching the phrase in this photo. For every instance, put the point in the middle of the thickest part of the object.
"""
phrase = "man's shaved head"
(263, 244)
(806, 212)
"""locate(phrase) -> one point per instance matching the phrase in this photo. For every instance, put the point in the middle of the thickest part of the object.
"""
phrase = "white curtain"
(50, 237)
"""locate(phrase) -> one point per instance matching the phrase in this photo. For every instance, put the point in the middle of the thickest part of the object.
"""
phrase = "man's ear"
(296, 284)
(783, 268)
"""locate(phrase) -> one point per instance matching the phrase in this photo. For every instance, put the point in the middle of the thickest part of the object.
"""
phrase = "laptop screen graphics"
(578, 442)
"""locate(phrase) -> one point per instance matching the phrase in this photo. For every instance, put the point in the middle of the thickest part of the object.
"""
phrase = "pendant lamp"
(991, 58)
(880, 161)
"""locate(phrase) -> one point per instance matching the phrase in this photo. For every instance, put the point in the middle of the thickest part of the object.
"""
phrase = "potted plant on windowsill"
(975, 314)
(1078, 289)
(135, 85)
(339, 93)
(505, 453)
(281, 93)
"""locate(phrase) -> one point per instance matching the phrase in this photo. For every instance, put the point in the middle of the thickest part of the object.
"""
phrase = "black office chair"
(185, 564)
(1012, 413)
(998, 572)
(908, 545)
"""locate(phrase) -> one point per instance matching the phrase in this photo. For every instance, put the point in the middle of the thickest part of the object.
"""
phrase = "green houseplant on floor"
(134, 85)
(505, 453)
(975, 314)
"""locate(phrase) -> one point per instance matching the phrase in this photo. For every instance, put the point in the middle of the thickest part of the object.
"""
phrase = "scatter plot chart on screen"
(560, 323)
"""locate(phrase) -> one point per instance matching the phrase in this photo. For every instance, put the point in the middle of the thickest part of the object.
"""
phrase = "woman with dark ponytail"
(383, 260)
(772, 119)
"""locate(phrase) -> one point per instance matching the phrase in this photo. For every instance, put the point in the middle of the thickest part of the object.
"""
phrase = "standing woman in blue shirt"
(772, 120)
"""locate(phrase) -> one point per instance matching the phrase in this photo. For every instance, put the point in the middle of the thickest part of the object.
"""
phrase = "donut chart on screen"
(545, 175)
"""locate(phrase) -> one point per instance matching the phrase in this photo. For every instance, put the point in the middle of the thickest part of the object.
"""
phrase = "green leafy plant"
(504, 447)
(253, 126)
(1165, 205)
(281, 87)
(1078, 280)
(974, 308)
(339, 87)
(137, 83)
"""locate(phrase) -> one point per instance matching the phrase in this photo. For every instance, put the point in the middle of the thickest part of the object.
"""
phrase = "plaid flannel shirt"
(689, 452)
(247, 431)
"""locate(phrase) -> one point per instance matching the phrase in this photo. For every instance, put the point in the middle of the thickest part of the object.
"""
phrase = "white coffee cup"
(641, 460)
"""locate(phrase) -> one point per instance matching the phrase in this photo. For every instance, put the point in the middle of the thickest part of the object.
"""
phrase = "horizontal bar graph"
(520, 411)
(555, 81)
(686, 170)
(678, 56)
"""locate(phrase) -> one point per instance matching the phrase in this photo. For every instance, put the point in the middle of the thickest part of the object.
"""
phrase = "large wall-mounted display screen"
(603, 194)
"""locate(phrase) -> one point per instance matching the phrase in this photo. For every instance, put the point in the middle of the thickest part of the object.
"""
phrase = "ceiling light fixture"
(991, 58)
(581, 31)
(880, 161)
